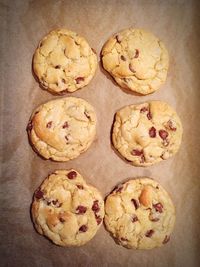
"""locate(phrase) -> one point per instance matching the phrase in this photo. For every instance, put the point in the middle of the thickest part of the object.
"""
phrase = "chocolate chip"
(61, 220)
(123, 58)
(81, 209)
(135, 203)
(152, 132)
(72, 175)
(79, 79)
(39, 194)
(134, 218)
(65, 125)
(98, 219)
(55, 202)
(149, 116)
(136, 53)
(158, 207)
(95, 206)
(80, 186)
(29, 126)
(136, 152)
(166, 239)
(57, 67)
(163, 134)
(143, 110)
(83, 228)
(48, 203)
(149, 233)
(49, 124)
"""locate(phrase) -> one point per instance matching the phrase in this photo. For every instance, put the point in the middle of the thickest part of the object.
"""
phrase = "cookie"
(147, 133)
(140, 214)
(66, 209)
(137, 60)
(64, 62)
(62, 129)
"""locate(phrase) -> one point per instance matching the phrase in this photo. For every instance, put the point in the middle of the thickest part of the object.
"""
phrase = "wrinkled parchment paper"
(23, 24)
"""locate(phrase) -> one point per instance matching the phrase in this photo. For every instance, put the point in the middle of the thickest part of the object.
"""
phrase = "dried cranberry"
(95, 206)
(163, 134)
(136, 152)
(134, 218)
(135, 203)
(81, 209)
(158, 207)
(149, 233)
(49, 124)
(136, 53)
(152, 132)
(65, 125)
(166, 239)
(79, 79)
(83, 228)
(72, 175)
(39, 194)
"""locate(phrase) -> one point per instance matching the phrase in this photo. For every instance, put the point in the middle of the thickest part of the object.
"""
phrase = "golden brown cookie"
(66, 209)
(147, 133)
(140, 214)
(64, 61)
(137, 60)
(63, 128)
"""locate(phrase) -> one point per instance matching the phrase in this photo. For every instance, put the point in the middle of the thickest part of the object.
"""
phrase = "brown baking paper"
(23, 24)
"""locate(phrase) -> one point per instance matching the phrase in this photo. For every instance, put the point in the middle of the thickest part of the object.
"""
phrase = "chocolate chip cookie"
(140, 214)
(137, 60)
(64, 61)
(147, 133)
(66, 209)
(62, 129)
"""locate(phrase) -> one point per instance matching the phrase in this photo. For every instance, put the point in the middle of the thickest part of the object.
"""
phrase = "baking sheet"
(23, 24)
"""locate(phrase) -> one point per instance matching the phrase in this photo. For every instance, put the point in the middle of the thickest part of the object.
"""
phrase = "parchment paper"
(23, 24)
